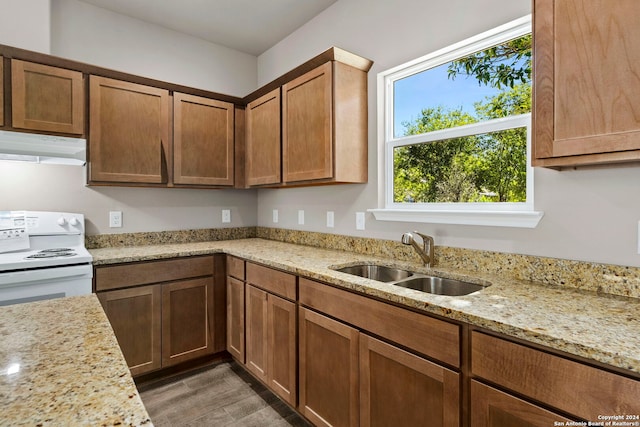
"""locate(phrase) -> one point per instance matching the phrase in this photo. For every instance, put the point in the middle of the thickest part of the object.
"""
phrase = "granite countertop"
(594, 326)
(60, 365)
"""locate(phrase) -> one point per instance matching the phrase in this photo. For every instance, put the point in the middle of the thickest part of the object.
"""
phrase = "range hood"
(35, 148)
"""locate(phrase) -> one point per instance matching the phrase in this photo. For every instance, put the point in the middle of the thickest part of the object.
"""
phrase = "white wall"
(87, 33)
(61, 188)
(590, 214)
(25, 24)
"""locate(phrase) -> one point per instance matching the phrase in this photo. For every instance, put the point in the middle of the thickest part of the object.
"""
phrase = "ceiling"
(250, 26)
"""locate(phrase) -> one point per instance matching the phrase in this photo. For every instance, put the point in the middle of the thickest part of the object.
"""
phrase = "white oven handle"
(14, 278)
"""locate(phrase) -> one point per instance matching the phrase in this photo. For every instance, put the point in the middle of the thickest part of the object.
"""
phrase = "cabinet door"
(256, 330)
(235, 318)
(128, 132)
(493, 408)
(47, 98)
(134, 315)
(1, 91)
(282, 348)
(263, 140)
(202, 140)
(328, 352)
(587, 80)
(399, 388)
(307, 143)
(187, 320)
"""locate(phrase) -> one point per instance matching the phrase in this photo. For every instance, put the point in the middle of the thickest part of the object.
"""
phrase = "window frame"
(507, 214)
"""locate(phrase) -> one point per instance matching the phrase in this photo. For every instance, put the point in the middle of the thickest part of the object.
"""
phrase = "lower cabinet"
(235, 318)
(328, 352)
(135, 316)
(494, 408)
(348, 378)
(400, 388)
(164, 315)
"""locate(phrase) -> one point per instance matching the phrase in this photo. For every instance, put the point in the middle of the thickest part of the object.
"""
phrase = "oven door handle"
(17, 278)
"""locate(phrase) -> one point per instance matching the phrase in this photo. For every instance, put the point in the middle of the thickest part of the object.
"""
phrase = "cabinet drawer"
(141, 273)
(570, 386)
(235, 267)
(274, 281)
(424, 334)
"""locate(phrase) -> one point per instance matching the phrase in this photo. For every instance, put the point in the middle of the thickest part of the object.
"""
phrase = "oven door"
(45, 283)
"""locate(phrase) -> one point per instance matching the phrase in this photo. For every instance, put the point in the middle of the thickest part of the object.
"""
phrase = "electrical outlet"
(300, 217)
(226, 215)
(115, 219)
(275, 216)
(359, 220)
(330, 219)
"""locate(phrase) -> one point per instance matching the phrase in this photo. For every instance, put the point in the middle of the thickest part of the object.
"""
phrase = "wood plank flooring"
(222, 395)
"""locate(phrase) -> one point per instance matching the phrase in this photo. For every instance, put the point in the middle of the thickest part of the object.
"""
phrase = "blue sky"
(431, 88)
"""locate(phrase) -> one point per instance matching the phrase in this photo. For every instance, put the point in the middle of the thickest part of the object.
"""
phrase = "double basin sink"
(412, 280)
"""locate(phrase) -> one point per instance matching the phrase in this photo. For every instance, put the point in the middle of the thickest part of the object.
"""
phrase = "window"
(457, 133)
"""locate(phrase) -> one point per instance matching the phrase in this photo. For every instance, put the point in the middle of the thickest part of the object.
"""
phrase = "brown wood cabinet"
(203, 141)
(324, 125)
(128, 132)
(164, 312)
(271, 329)
(256, 323)
(235, 319)
(1, 91)
(586, 82)
(494, 408)
(328, 386)
(400, 388)
(135, 316)
(572, 387)
(263, 146)
(187, 320)
(45, 98)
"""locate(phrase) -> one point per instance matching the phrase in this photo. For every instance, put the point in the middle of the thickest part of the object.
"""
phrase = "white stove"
(42, 256)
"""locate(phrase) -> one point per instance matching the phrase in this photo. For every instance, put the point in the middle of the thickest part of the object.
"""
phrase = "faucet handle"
(425, 237)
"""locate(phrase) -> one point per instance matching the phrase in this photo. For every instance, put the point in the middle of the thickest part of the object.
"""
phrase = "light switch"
(275, 216)
(300, 217)
(330, 219)
(359, 220)
(226, 215)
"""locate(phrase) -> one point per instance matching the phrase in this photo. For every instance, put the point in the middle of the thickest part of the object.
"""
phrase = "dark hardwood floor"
(221, 395)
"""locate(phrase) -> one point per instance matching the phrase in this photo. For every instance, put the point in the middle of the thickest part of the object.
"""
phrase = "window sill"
(519, 219)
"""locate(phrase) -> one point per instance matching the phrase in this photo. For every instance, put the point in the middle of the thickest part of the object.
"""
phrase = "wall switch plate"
(275, 216)
(300, 217)
(639, 237)
(330, 219)
(359, 220)
(226, 215)
(115, 219)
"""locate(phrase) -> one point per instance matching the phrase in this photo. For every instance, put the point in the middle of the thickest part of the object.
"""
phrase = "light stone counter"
(60, 365)
(595, 326)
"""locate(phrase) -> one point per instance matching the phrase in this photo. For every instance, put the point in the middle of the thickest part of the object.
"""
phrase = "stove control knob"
(62, 221)
(74, 221)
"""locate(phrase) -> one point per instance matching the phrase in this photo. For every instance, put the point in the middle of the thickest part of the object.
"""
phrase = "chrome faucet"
(427, 249)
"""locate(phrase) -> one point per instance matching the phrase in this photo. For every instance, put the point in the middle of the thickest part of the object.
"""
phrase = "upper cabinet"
(586, 82)
(321, 124)
(1, 92)
(45, 98)
(203, 141)
(263, 152)
(128, 133)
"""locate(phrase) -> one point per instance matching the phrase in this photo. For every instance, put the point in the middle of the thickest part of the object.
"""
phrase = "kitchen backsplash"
(610, 279)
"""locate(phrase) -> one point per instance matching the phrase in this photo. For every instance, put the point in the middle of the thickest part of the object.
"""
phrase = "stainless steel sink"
(440, 286)
(377, 272)
(411, 280)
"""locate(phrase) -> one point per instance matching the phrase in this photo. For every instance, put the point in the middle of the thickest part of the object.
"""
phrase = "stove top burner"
(52, 253)
(56, 250)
